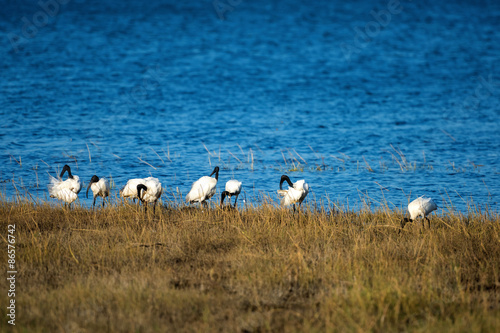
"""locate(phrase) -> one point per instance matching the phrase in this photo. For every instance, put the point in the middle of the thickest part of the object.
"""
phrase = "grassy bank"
(262, 269)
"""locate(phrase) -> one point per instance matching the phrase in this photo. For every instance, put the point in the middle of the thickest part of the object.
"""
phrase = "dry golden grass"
(260, 269)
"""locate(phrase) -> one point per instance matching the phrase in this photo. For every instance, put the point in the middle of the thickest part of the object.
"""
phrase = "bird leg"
(428, 222)
(103, 201)
(294, 208)
(93, 205)
(235, 200)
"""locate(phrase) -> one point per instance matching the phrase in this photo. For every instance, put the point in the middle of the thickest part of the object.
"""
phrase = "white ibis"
(66, 190)
(203, 189)
(130, 189)
(149, 191)
(233, 188)
(420, 207)
(99, 187)
(296, 193)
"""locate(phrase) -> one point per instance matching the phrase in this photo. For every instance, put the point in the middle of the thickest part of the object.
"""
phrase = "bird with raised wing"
(296, 192)
(65, 190)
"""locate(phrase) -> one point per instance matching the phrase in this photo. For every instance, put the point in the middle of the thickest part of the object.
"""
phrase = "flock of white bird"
(149, 190)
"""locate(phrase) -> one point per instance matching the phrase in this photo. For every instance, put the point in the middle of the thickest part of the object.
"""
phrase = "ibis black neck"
(68, 169)
(216, 172)
(222, 197)
(287, 179)
(141, 187)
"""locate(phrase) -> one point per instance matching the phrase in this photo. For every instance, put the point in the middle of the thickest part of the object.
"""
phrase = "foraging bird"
(66, 190)
(99, 187)
(203, 189)
(233, 188)
(420, 207)
(296, 193)
(149, 191)
(130, 189)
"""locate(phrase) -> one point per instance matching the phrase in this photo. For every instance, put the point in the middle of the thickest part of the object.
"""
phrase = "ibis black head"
(404, 221)
(287, 179)
(216, 171)
(64, 169)
(222, 197)
(93, 180)
(140, 188)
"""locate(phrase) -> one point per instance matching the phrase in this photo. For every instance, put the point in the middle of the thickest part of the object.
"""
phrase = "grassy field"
(260, 269)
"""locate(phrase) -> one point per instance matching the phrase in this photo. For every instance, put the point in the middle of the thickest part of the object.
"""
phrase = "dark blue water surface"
(365, 100)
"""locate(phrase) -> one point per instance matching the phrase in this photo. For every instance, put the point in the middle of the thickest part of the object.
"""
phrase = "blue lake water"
(366, 100)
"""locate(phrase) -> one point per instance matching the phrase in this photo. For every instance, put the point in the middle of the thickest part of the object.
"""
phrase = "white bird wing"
(195, 194)
(105, 186)
(130, 189)
(190, 196)
(414, 208)
(300, 190)
(75, 184)
(56, 185)
(299, 184)
(290, 196)
(67, 195)
(421, 206)
(53, 186)
(61, 190)
(154, 189)
(101, 188)
(233, 186)
(282, 193)
(428, 205)
(151, 180)
(202, 189)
